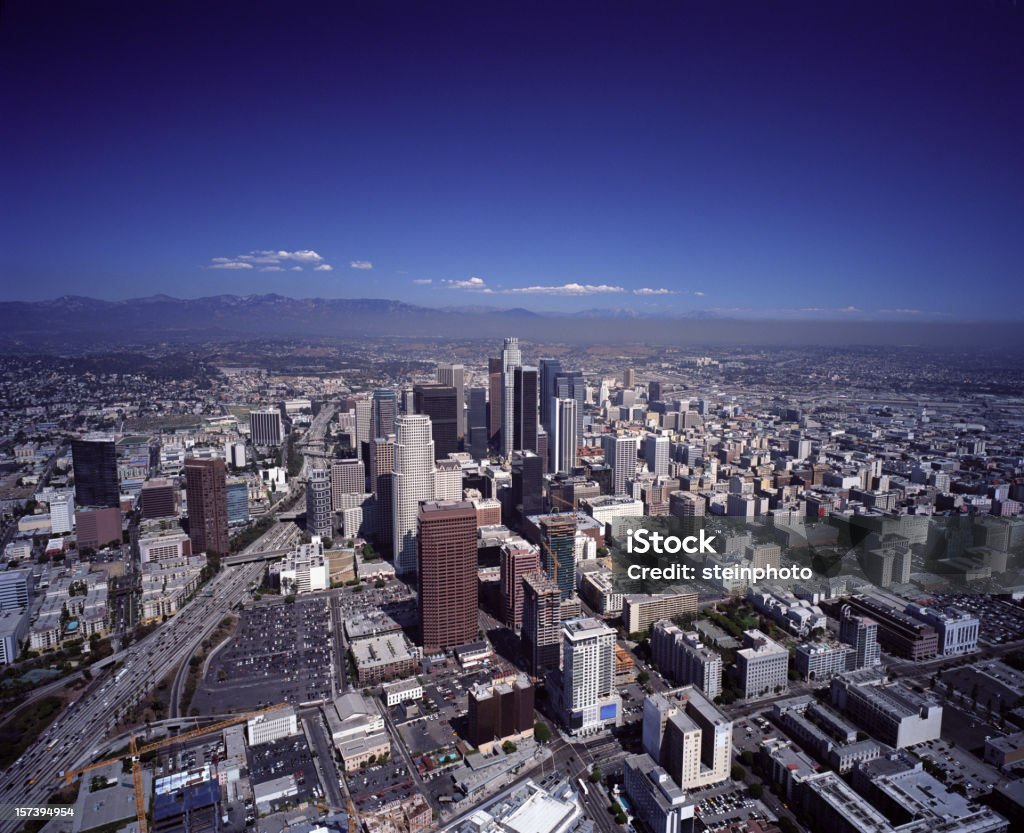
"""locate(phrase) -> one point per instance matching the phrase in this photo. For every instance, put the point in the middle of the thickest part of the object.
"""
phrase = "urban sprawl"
(371, 586)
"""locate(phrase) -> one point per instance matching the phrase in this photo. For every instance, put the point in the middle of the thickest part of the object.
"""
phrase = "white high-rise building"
(589, 697)
(234, 454)
(448, 480)
(364, 416)
(511, 358)
(687, 734)
(265, 428)
(454, 376)
(565, 441)
(412, 483)
(862, 633)
(62, 513)
(656, 452)
(620, 457)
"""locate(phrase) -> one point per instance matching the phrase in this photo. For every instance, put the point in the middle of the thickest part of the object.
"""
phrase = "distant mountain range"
(74, 322)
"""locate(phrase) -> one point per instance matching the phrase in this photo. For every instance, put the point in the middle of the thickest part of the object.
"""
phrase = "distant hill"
(74, 322)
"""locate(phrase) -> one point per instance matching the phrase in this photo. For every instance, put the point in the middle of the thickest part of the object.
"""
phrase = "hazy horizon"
(803, 159)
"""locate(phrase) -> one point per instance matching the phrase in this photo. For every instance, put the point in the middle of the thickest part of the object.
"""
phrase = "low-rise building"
(640, 610)
(13, 628)
(379, 659)
(402, 690)
(823, 660)
(272, 725)
(500, 710)
(1006, 751)
(894, 714)
(762, 666)
(305, 569)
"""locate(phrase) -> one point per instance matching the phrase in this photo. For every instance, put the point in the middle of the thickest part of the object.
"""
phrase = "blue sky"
(797, 159)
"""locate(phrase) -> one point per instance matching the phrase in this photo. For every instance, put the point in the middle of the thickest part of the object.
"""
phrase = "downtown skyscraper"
(511, 358)
(620, 457)
(384, 411)
(441, 404)
(446, 573)
(564, 436)
(412, 484)
(207, 496)
(526, 386)
(319, 503)
(454, 376)
(95, 467)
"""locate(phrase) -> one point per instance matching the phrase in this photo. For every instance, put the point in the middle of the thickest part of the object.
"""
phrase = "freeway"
(79, 734)
(313, 443)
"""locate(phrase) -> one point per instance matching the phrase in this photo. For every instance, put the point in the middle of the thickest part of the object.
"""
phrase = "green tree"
(541, 732)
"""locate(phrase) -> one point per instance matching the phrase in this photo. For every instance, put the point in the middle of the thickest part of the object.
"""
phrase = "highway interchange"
(79, 734)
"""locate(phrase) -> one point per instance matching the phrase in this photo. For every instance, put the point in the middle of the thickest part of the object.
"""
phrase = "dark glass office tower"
(383, 413)
(526, 413)
(549, 368)
(476, 424)
(494, 407)
(440, 403)
(95, 466)
(527, 483)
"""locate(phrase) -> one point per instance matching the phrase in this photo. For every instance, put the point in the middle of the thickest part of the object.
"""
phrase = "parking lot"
(393, 598)
(999, 621)
(438, 719)
(373, 787)
(732, 806)
(960, 768)
(280, 652)
(288, 756)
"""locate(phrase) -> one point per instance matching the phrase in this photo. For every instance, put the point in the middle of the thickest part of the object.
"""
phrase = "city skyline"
(802, 162)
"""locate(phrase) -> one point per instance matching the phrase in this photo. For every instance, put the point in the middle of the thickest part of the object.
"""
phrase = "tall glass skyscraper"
(412, 483)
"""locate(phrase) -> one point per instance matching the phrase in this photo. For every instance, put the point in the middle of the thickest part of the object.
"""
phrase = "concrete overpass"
(250, 557)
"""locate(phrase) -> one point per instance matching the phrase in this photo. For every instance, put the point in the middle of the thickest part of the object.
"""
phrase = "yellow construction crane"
(140, 792)
(136, 752)
(353, 816)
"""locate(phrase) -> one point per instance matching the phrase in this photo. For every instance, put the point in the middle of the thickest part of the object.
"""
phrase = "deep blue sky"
(777, 157)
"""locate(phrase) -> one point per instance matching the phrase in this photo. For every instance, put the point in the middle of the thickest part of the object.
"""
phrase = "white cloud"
(422, 281)
(267, 258)
(323, 267)
(850, 309)
(224, 263)
(567, 289)
(646, 290)
(699, 294)
(272, 269)
(473, 284)
(361, 264)
(295, 269)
